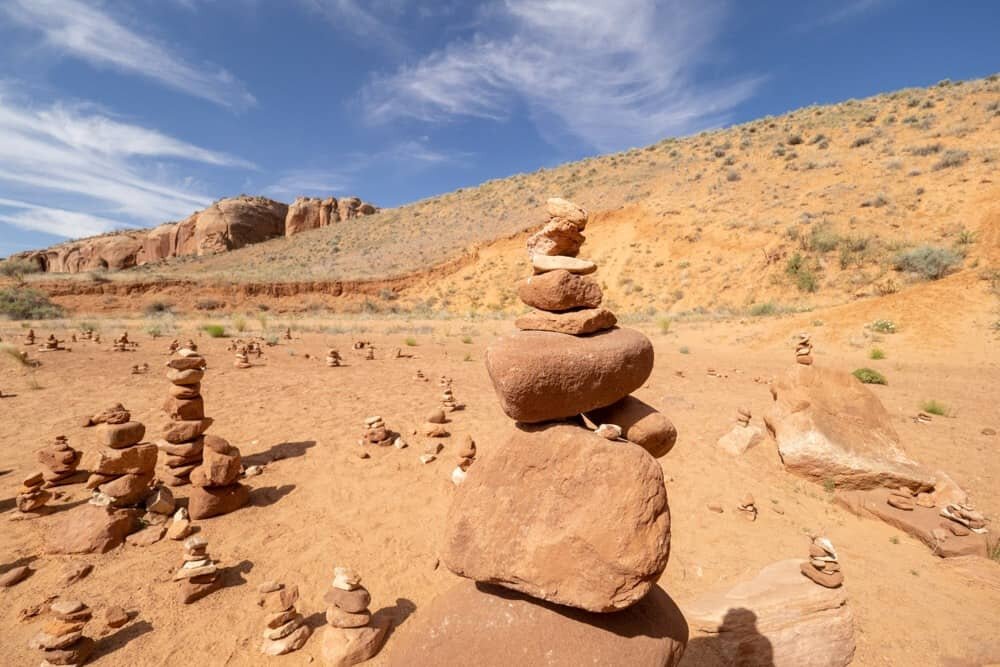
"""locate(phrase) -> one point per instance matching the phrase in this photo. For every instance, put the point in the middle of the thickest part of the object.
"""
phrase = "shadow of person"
(282, 450)
(268, 495)
(116, 640)
(395, 615)
(739, 643)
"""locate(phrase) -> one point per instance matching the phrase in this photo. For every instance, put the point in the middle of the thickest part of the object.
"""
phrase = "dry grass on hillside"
(810, 208)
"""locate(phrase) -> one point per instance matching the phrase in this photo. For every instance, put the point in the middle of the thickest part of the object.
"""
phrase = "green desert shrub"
(869, 376)
(214, 330)
(24, 303)
(929, 262)
(762, 309)
(933, 407)
(876, 353)
(18, 268)
(951, 159)
(883, 326)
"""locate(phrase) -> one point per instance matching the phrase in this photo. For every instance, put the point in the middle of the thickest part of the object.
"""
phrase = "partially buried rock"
(14, 575)
(641, 424)
(778, 618)
(489, 626)
(829, 426)
(556, 291)
(89, 528)
(599, 544)
(541, 375)
(574, 322)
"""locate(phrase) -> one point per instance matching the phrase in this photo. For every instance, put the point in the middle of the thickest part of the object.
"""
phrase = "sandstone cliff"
(226, 225)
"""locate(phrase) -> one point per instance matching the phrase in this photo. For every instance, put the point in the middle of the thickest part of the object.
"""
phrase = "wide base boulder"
(832, 428)
(89, 529)
(206, 502)
(343, 647)
(563, 515)
(490, 626)
(541, 375)
(779, 618)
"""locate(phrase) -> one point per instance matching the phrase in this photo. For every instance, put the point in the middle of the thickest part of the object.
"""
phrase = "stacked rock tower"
(124, 469)
(60, 461)
(352, 635)
(182, 441)
(557, 512)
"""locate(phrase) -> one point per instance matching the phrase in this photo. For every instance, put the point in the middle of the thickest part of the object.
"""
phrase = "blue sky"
(131, 113)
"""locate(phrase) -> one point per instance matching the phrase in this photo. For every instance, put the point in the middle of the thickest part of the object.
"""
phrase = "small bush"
(935, 408)
(240, 323)
(684, 350)
(154, 331)
(884, 326)
(878, 201)
(876, 353)
(925, 150)
(664, 324)
(823, 238)
(208, 304)
(214, 330)
(951, 159)
(733, 175)
(861, 141)
(467, 340)
(24, 303)
(869, 376)
(804, 277)
(18, 268)
(157, 308)
(762, 309)
(794, 140)
(929, 262)
(966, 237)
(411, 341)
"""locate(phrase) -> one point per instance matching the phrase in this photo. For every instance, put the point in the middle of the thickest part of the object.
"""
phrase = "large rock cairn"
(122, 471)
(352, 635)
(61, 641)
(182, 441)
(216, 487)
(286, 630)
(558, 512)
(32, 495)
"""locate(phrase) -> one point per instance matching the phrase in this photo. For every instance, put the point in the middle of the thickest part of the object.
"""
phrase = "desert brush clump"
(214, 330)
(25, 303)
(933, 407)
(928, 262)
(869, 376)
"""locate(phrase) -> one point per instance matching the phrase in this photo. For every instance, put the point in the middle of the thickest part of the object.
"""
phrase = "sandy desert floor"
(317, 505)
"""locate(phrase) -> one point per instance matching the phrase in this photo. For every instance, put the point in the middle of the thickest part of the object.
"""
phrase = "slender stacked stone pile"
(286, 630)
(352, 635)
(198, 574)
(61, 641)
(29, 338)
(216, 487)
(60, 461)
(803, 350)
(376, 433)
(333, 358)
(32, 495)
(558, 513)
(242, 358)
(466, 457)
(182, 441)
(52, 344)
(123, 470)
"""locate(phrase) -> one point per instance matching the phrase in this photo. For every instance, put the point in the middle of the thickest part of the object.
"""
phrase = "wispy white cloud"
(87, 32)
(844, 11)
(368, 20)
(71, 171)
(614, 73)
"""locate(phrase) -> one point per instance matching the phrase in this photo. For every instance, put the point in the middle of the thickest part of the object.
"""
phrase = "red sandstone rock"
(489, 626)
(557, 291)
(573, 322)
(217, 469)
(185, 431)
(89, 529)
(133, 460)
(180, 409)
(206, 502)
(829, 426)
(641, 424)
(599, 544)
(540, 375)
(118, 436)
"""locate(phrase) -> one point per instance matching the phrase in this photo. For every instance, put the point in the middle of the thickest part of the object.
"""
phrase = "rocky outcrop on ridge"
(228, 224)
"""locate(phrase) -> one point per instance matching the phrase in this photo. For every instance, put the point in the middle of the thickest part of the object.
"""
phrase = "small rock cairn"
(419, 376)
(52, 344)
(123, 344)
(29, 338)
(61, 640)
(216, 487)
(182, 441)
(748, 508)
(352, 635)
(60, 462)
(242, 358)
(32, 494)
(466, 457)
(333, 358)
(435, 427)
(962, 519)
(803, 350)
(376, 433)
(199, 574)
(286, 630)
(122, 472)
(823, 566)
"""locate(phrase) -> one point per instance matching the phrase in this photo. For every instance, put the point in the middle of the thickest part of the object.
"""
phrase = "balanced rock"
(557, 291)
(641, 424)
(490, 626)
(541, 375)
(208, 501)
(544, 263)
(574, 322)
(830, 426)
(778, 618)
(599, 544)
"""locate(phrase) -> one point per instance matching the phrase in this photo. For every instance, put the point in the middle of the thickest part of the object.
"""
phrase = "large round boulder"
(563, 515)
(489, 626)
(543, 375)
